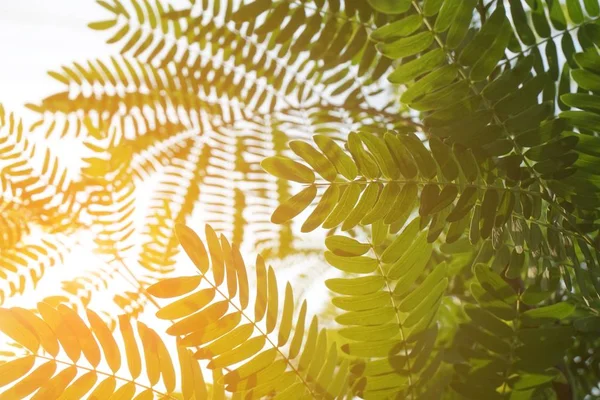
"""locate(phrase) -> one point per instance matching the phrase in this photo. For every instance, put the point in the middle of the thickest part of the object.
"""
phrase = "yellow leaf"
(80, 387)
(187, 372)
(216, 255)
(240, 267)
(84, 335)
(147, 394)
(226, 342)
(285, 168)
(272, 301)
(15, 369)
(16, 330)
(187, 305)
(166, 365)
(131, 350)
(193, 246)
(213, 330)
(31, 382)
(260, 305)
(174, 287)
(254, 366)
(285, 326)
(105, 337)
(104, 389)
(293, 206)
(229, 268)
(61, 329)
(298, 333)
(125, 392)
(150, 346)
(42, 330)
(199, 384)
(240, 353)
(55, 386)
(196, 321)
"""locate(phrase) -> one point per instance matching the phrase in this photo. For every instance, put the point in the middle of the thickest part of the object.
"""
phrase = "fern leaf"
(252, 347)
(62, 329)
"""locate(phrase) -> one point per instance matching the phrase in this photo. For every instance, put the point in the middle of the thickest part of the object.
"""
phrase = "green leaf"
(410, 265)
(366, 165)
(382, 155)
(407, 71)
(489, 206)
(403, 205)
(460, 24)
(377, 316)
(283, 167)
(402, 157)
(346, 247)
(584, 101)
(464, 205)
(581, 119)
(447, 14)
(323, 209)
(356, 286)
(421, 155)
(391, 6)
(401, 243)
(406, 47)
(102, 25)
(555, 312)
(362, 303)
(344, 206)
(249, 11)
(415, 297)
(365, 204)
(354, 265)
(315, 159)
(382, 207)
(484, 38)
(370, 333)
(294, 205)
(342, 161)
(435, 80)
(488, 321)
(397, 29)
(492, 282)
(488, 60)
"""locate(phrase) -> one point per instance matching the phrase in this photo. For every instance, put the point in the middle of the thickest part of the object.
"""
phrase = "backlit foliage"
(441, 156)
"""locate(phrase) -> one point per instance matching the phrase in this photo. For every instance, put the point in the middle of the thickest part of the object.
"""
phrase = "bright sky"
(42, 35)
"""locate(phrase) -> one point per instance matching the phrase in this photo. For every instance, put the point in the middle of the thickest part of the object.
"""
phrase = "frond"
(171, 205)
(12, 226)
(23, 265)
(455, 194)
(94, 285)
(111, 201)
(38, 206)
(66, 355)
(265, 354)
(389, 298)
(33, 180)
(499, 325)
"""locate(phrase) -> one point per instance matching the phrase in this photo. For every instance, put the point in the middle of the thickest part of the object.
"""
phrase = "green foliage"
(447, 151)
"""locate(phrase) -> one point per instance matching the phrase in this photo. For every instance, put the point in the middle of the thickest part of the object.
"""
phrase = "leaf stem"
(261, 332)
(399, 322)
(71, 364)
